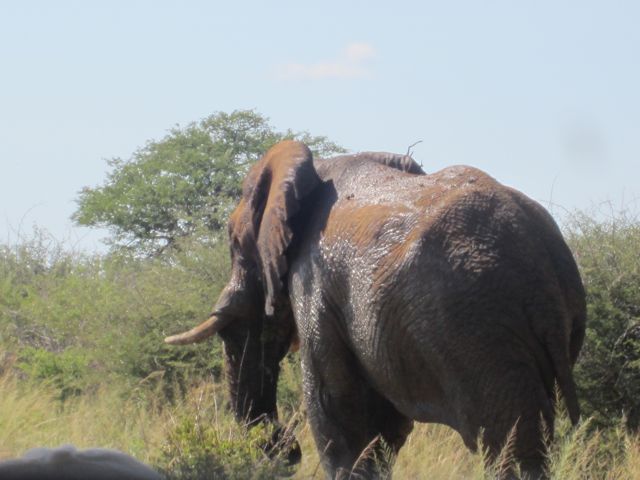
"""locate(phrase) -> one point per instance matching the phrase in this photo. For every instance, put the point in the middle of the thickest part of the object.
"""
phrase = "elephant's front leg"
(357, 431)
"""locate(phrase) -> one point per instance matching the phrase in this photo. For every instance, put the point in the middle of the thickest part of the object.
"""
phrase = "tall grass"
(197, 438)
(32, 415)
(194, 438)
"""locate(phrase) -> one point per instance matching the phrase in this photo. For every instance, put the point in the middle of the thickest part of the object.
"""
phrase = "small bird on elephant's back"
(443, 297)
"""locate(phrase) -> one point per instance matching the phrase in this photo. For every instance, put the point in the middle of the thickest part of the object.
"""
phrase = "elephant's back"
(361, 181)
(462, 213)
(382, 210)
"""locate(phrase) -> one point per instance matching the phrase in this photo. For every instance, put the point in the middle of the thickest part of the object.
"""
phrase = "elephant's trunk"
(206, 329)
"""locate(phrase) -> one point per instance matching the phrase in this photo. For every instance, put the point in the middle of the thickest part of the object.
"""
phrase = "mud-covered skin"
(442, 298)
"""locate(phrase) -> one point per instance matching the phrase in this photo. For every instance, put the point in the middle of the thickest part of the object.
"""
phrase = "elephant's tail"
(568, 391)
(564, 377)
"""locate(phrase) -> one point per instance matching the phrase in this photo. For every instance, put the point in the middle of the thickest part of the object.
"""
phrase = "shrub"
(66, 371)
(112, 311)
(608, 369)
(204, 442)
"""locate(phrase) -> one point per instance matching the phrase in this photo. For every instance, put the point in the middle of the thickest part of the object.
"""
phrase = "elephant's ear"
(273, 191)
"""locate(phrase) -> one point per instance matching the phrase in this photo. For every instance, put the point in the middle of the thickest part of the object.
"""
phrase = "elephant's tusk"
(206, 329)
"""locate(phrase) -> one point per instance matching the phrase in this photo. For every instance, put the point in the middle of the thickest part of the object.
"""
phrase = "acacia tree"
(184, 185)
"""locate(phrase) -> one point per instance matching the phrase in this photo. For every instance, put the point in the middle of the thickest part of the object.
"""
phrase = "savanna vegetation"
(82, 359)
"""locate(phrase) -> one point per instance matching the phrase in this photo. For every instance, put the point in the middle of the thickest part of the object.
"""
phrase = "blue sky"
(543, 95)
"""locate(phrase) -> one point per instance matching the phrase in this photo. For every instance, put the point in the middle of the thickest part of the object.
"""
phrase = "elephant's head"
(253, 315)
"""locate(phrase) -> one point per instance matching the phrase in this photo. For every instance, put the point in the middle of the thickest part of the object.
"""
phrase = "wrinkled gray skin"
(444, 298)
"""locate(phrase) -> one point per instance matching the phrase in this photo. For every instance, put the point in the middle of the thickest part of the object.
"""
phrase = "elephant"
(67, 463)
(443, 297)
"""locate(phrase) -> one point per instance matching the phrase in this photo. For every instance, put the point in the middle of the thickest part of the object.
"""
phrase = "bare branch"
(411, 146)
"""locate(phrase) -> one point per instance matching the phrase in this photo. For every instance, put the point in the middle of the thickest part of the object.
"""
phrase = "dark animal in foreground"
(67, 463)
(445, 298)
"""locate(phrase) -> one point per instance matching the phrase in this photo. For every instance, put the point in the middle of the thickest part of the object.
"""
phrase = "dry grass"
(436, 451)
(32, 416)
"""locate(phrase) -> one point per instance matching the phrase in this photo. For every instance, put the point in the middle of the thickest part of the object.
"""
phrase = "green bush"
(205, 442)
(67, 371)
(112, 310)
(608, 369)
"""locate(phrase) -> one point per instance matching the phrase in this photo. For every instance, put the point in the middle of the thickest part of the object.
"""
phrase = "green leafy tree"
(184, 185)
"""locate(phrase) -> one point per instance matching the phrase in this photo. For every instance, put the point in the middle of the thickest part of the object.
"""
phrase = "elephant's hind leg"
(520, 416)
(357, 431)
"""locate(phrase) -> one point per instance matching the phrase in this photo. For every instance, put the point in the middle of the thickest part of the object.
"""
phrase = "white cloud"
(351, 63)
(357, 52)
